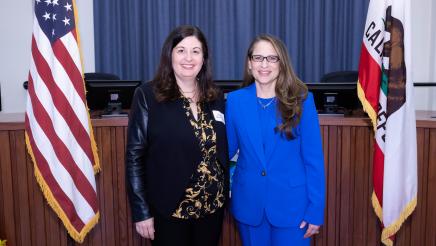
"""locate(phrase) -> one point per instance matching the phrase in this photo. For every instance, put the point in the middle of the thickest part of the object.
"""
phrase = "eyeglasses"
(259, 58)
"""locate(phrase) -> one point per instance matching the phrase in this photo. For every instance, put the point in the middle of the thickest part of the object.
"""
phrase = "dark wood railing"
(26, 219)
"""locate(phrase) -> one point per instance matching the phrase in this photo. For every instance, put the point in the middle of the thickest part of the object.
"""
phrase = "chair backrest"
(101, 76)
(340, 76)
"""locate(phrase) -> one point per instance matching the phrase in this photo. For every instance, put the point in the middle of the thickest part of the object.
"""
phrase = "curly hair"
(290, 90)
(165, 85)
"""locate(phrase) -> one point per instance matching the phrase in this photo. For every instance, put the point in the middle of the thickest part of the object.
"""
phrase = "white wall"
(15, 40)
(15, 49)
(424, 52)
(16, 33)
(86, 29)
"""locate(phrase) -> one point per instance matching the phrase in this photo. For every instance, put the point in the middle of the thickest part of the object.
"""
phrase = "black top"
(163, 153)
(205, 193)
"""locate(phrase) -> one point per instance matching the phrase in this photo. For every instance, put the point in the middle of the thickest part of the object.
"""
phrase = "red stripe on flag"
(70, 67)
(61, 103)
(63, 154)
(61, 198)
(369, 77)
(378, 172)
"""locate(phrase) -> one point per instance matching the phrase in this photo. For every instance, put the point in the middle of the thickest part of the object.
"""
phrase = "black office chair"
(113, 107)
(88, 76)
(340, 76)
(101, 76)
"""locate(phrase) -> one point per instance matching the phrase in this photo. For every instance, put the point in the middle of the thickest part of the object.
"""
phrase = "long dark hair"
(165, 85)
(290, 90)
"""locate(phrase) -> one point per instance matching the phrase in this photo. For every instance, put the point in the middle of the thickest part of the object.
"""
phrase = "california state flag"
(385, 89)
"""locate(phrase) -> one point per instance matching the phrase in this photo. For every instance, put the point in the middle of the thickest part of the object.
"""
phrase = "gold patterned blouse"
(205, 192)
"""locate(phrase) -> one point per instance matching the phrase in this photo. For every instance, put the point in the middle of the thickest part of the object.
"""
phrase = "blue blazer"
(286, 181)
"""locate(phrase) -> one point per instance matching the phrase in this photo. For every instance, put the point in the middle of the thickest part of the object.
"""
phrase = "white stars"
(57, 18)
(68, 7)
(66, 21)
(46, 16)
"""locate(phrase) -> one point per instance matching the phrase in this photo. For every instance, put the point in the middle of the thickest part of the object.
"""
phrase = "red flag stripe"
(369, 77)
(64, 201)
(63, 90)
(72, 46)
(61, 128)
(63, 154)
(61, 103)
(70, 67)
(378, 172)
(60, 76)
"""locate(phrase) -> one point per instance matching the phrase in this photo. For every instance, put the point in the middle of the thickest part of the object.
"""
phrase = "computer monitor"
(227, 86)
(110, 97)
(335, 98)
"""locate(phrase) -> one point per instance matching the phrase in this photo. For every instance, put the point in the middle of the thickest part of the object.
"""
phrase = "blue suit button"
(263, 173)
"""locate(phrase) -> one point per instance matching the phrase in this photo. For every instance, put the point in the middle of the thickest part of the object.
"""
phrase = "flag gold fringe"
(76, 235)
(391, 230)
(376, 205)
(394, 227)
(2, 242)
(367, 106)
(96, 166)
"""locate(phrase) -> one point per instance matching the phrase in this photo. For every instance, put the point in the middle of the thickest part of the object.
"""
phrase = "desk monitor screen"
(227, 86)
(335, 98)
(110, 96)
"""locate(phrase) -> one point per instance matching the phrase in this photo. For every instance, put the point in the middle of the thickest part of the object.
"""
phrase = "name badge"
(218, 116)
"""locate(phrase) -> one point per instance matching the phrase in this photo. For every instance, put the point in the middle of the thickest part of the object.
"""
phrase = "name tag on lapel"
(218, 116)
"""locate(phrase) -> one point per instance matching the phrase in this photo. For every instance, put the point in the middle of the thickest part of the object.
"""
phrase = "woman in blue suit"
(278, 190)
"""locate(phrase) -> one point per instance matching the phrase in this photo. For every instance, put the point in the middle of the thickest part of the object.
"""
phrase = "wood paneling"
(26, 219)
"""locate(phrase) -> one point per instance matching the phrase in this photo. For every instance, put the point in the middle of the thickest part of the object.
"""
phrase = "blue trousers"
(266, 234)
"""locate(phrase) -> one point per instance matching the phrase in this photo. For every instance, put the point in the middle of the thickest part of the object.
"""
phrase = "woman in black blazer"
(176, 151)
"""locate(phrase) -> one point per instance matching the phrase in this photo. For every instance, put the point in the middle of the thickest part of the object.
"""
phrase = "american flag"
(59, 135)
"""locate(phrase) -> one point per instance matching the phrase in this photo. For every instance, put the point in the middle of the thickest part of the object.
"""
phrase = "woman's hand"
(145, 228)
(311, 229)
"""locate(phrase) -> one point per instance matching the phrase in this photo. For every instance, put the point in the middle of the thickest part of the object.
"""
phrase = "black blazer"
(162, 152)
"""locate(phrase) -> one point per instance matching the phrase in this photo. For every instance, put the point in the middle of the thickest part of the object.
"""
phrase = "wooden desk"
(26, 219)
